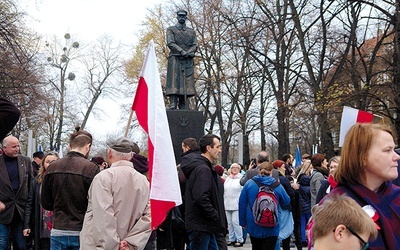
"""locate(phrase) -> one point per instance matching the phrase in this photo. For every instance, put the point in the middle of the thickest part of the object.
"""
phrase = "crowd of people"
(347, 202)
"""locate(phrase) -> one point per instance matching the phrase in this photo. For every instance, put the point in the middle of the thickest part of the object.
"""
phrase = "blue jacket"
(304, 193)
(246, 200)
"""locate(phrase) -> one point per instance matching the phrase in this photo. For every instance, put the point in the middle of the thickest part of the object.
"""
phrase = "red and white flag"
(351, 116)
(151, 114)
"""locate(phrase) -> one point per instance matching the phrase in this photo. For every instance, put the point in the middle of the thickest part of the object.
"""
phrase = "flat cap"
(121, 144)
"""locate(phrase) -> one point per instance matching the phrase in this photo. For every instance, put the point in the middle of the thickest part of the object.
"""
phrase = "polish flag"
(151, 114)
(351, 116)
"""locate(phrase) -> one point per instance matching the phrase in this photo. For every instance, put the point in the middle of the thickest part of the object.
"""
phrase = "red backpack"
(265, 206)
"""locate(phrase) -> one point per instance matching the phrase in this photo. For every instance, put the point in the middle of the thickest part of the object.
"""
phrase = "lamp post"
(62, 64)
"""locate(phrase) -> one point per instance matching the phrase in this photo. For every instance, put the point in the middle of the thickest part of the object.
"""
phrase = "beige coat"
(118, 209)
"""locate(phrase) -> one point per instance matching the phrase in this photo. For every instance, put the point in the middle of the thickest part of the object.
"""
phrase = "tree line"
(276, 72)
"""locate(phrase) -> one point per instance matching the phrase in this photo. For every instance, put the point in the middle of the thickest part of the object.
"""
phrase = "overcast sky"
(88, 20)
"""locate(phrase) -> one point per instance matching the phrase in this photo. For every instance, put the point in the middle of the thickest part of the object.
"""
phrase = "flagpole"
(129, 123)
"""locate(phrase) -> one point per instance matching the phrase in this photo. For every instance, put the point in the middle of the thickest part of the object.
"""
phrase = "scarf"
(386, 203)
(332, 181)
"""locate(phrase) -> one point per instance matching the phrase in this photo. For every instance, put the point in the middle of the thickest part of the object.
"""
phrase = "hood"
(304, 180)
(188, 156)
(194, 162)
(266, 180)
(192, 150)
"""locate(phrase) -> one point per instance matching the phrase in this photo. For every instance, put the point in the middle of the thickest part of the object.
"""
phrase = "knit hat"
(219, 170)
(277, 163)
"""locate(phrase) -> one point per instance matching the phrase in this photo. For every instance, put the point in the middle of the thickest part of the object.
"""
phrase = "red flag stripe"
(364, 117)
(150, 112)
(140, 104)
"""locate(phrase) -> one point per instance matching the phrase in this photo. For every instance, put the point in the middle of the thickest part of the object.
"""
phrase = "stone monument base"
(184, 123)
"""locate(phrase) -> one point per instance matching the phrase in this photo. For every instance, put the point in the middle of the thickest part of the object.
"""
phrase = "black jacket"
(204, 209)
(289, 190)
(33, 212)
(65, 190)
(14, 200)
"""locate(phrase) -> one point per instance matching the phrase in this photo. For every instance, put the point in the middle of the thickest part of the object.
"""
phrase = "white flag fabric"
(351, 116)
(150, 111)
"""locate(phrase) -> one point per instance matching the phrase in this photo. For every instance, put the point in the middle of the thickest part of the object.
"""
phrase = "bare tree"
(104, 67)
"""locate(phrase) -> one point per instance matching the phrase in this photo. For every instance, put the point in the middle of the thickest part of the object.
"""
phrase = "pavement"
(247, 246)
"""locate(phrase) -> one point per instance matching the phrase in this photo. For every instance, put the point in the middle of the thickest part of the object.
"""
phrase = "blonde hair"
(341, 210)
(306, 168)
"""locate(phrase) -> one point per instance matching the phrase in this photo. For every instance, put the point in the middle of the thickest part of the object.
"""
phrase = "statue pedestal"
(184, 123)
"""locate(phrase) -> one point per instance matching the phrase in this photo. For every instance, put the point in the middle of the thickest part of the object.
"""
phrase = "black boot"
(173, 101)
(182, 104)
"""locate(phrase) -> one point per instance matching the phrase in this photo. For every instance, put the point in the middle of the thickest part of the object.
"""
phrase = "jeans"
(304, 220)
(64, 242)
(234, 229)
(15, 228)
(202, 240)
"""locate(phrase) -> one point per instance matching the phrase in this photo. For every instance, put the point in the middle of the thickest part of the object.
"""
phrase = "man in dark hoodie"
(189, 150)
(205, 211)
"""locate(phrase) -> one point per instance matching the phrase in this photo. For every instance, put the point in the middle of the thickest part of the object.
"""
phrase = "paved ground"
(247, 246)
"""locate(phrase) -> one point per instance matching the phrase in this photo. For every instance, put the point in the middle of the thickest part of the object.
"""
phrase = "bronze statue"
(182, 43)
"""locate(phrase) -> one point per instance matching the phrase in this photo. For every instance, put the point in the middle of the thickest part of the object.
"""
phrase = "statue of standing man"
(182, 43)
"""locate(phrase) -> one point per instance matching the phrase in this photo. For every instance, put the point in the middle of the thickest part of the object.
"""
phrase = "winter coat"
(232, 189)
(246, 200)
(288, 188)
(33, 212)
(204, 197)
(118, 209)
(304, 193)
(315, 185)
(65, 190)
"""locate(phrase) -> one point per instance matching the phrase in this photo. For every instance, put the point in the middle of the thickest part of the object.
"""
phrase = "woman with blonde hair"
(367, 167)
(303, 179)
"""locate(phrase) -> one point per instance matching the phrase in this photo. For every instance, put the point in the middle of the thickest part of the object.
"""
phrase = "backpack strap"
(273, 185)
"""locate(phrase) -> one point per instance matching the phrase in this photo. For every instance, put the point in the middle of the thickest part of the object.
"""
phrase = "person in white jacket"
(118, 213)
(232, 189)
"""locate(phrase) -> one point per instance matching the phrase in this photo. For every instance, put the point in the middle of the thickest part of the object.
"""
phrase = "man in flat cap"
(118, 214)
(182, 43)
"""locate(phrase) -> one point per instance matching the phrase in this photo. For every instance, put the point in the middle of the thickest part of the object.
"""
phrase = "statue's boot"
(182, 104)
(173, 102)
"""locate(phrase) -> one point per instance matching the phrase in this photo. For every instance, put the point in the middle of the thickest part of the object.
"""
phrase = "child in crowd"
(341, 223)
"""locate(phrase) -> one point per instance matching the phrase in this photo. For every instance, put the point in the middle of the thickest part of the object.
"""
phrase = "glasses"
(365, 245)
